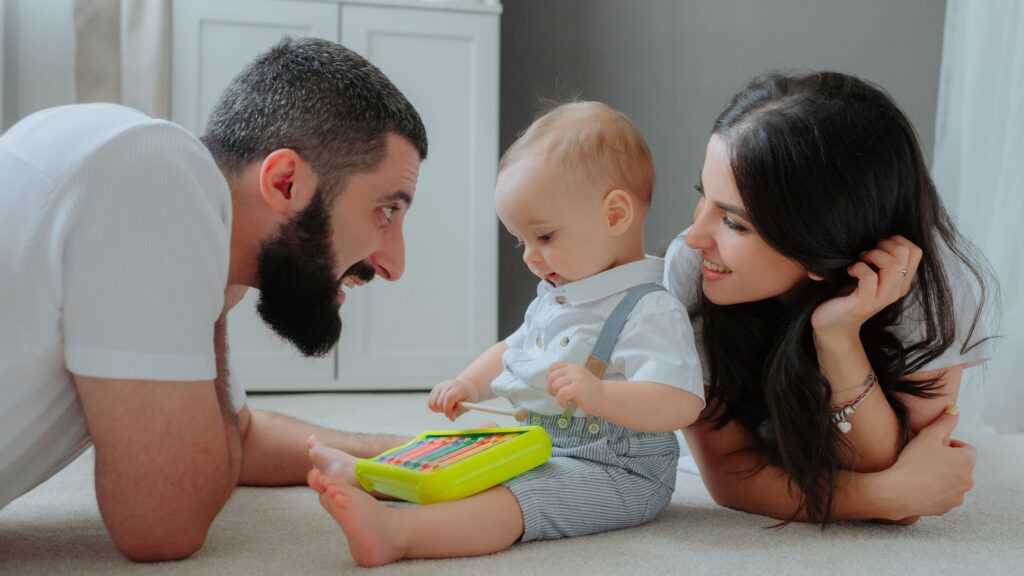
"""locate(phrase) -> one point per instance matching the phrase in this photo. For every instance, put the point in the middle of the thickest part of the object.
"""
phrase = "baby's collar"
(607, 283)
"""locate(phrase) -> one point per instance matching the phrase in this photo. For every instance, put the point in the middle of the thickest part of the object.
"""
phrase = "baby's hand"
(574, 383)
(445, 397)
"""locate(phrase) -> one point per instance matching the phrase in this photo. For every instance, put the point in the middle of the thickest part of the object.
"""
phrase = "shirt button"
(565, 341)
(535, 420)
(540, 343)
(560, 299)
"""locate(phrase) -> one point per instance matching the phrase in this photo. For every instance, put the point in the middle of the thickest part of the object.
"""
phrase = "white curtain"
(979, 167)
(123, 53)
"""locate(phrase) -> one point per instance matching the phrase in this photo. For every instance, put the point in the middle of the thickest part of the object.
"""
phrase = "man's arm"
(274, 450)
(168, 455)
(930, 477)
(166, 462)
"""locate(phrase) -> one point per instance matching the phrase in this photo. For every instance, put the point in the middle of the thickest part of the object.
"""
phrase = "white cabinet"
(444, 57)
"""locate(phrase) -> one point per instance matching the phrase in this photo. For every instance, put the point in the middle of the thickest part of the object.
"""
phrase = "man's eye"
(389, 212)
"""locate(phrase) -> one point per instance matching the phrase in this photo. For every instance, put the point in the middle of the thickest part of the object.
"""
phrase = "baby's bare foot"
(371, 527)
(330, 466)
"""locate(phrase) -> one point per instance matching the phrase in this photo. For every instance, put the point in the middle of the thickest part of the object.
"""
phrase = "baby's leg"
(329, 464)
(378, 534)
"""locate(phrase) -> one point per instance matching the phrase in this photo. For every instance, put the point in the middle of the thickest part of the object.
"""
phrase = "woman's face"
(737, 265)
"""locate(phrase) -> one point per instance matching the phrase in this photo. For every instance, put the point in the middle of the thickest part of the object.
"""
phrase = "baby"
(604, 361)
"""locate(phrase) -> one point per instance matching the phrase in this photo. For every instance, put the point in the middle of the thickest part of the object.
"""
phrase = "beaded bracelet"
(841, 411)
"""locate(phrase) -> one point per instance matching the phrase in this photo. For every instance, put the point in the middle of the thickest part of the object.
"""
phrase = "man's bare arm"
(168, 455)
(275, 453)
(166, 461)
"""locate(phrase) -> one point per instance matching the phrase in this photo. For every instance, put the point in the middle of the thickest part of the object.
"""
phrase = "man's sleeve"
(146, 258)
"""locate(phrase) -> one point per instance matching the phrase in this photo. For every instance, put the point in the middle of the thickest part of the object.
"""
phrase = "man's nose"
(389, 261)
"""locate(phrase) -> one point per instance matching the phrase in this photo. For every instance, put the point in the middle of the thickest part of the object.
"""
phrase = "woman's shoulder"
(682, 269)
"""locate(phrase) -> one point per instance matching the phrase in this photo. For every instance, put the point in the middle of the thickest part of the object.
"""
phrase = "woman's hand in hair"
(884, 275)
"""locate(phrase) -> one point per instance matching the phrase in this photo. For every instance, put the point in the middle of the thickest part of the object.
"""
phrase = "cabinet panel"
(213, 41)
(442, 313)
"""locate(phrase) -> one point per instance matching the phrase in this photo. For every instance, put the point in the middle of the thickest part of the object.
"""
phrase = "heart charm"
(844, 426)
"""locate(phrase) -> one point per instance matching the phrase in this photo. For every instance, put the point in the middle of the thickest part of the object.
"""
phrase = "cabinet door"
(213, 41)
(443, 312)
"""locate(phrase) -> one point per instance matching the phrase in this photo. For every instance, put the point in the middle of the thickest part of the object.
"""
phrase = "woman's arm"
(874, 431)
(884, 275)
(930, 477)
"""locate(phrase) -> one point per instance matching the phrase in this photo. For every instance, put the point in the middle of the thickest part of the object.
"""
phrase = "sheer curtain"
(979, 167)
(123, 53)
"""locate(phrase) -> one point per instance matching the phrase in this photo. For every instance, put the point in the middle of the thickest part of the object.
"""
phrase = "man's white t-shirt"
(115, 236)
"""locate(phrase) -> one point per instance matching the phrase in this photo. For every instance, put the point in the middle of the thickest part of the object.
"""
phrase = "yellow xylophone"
(438, 466)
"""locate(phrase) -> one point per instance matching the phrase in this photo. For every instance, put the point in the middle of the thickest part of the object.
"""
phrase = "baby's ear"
(619, 209)
(814, 276)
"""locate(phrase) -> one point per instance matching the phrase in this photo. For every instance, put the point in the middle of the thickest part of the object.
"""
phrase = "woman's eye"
(732, 225)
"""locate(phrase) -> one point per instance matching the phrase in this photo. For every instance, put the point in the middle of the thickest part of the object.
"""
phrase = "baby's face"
(559, 222)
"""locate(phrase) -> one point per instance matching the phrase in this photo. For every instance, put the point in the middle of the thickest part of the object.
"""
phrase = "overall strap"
(602, 352)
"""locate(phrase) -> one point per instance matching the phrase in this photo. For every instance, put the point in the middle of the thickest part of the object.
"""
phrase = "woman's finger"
(867, 279)
(892, 270)
(914, 255)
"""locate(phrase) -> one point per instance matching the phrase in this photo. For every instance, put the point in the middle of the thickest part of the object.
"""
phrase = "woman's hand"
(445, 397)
(884, 275)
(931, 475)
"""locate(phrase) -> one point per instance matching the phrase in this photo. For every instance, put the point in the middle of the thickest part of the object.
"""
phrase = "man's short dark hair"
(329, 104)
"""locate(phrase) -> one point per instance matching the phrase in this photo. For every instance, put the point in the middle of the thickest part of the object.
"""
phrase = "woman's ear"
(287, 183)
(619, 210)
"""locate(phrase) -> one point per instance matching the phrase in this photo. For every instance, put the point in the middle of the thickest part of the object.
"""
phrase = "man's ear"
(620, 211)
(287, 183)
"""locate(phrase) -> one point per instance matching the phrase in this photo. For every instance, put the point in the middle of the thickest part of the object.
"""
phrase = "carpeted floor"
(57, 528)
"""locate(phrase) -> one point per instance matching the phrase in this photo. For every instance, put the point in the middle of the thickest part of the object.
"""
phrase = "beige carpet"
(57, 529)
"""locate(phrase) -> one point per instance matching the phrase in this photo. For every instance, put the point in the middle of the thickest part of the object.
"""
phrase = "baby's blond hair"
(592, 140)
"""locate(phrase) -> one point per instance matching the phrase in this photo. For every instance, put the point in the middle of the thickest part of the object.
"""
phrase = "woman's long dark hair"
(826, 165)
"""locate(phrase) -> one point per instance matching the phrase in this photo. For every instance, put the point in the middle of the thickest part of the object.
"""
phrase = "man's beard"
(298, 289)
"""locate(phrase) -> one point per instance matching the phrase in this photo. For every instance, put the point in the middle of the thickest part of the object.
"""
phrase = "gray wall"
(672, 65)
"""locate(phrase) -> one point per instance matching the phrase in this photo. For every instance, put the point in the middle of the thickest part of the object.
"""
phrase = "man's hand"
(574, 383)
(445, 397)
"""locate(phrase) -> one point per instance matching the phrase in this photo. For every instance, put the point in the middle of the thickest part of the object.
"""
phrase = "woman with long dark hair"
(834, 303)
